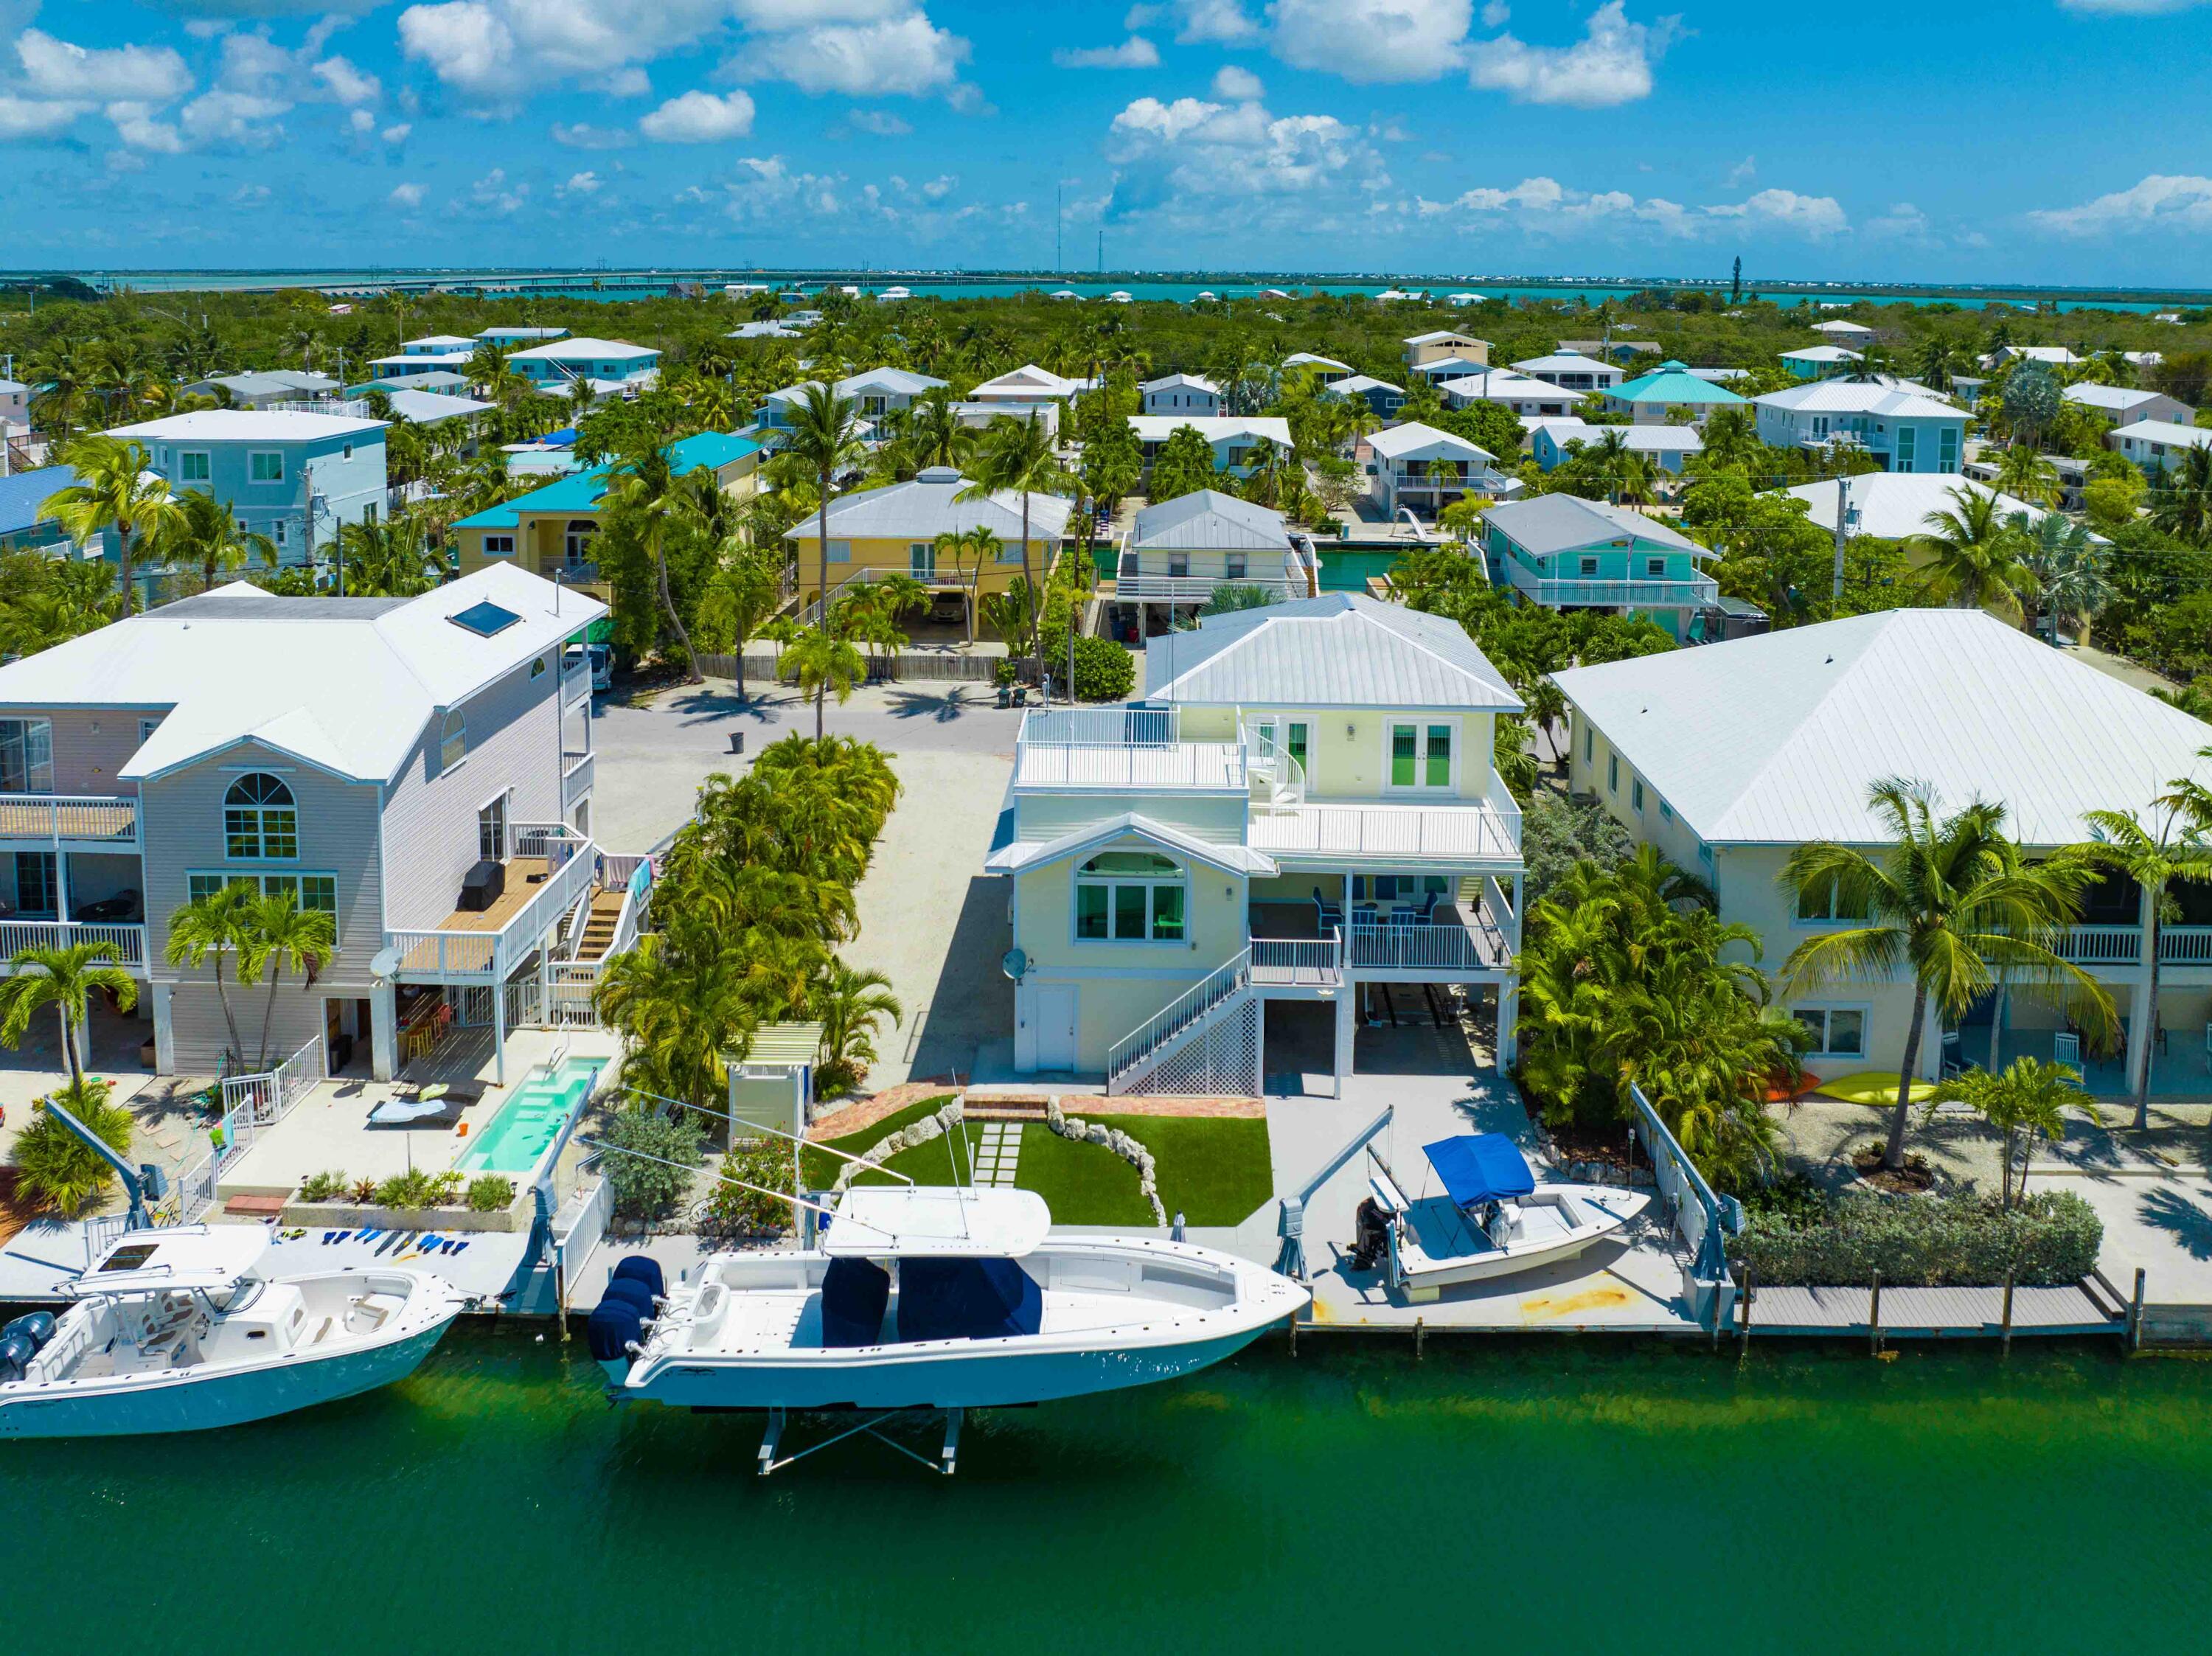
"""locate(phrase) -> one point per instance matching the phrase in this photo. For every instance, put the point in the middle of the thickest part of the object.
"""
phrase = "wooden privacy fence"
(928, 668)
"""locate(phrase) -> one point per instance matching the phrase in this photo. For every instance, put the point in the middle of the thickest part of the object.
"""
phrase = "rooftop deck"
(1332, 834)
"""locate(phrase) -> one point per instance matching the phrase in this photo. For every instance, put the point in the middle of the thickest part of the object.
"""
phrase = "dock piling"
(1420, 1337)
(2136, 1314)
(1743, 1326)
(2005, 1349)
(1873, 1317)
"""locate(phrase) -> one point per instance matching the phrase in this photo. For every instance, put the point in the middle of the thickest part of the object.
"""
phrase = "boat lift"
(1291, 1259)
(145, 1181)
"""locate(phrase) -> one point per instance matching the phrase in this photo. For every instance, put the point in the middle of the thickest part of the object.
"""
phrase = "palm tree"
(274, 933)
(63, 979)
(1939, 358)
(1951, 902)
(647, 491)
(77, 597)
(934, 434)
(1018, 457)
(1731, 437)
(386, 560)
(849, 1003)
(2068, 564)
(210, 928)
(970, 550)
(825, 438)
(2181, 503)
(1971, 556)
(113, 490)
(204, 534)
(823, 661)
(2172, 849)
(2023, 473)
(2025, 1101)
(747, 590)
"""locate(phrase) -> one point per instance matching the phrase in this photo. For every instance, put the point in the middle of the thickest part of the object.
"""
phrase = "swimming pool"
(530, 1120)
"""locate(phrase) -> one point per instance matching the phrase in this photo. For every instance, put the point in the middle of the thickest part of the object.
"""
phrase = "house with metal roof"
(295, 477)
(24, 526)
(262, 391)
(873, 392)
(410, 364)
(1314, 369)
(1029, 384)
(2158, 445)
(1728, 757)
(1818, 361)
(1302, 813)
(1518, 392)
(549, 531)
(1562, 552)
(1896, 505)
(503, 336)
(439, 344)
(424, 777)
(1649, 396)
(1572, 371)
(1443, 342)
(1181, 551)
(1665, 446)
(1845, 333)
(1382, 398)
(610, 365)
(1904, 426)
(1232, 437)
(1422, 468)
(1182, 394)
(2127, 405)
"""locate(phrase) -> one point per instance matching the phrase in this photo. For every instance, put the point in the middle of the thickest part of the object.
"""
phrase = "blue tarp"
(966, 1300)
(1479, 1167)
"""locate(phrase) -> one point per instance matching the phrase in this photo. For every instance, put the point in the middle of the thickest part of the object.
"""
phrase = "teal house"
(1647, 398)
(1565, 553)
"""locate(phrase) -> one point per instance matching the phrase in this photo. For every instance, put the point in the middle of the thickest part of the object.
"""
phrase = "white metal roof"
(1775, 740)
(1822, 354)
(1442, 335)
(1641, 440)
(927, 505)
(1175, 381)
(1209, 520)
(1852, 330)
(356, 679)
(428, 408)
(1566, 523)
(1415, 440)
(1859, 397)
(2166, 431)
(563, 351)
(2117, 398)
(1214, 427)
(1352, 385)
(1029, 380)
(1227, 856)
(1896, 505)
(436, 339)
(1310, 360)
(1565, 361)
(1340, 650)
(247, 426)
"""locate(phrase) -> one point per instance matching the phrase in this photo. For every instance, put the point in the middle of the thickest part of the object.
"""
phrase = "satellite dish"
(1014, 963)
(385, 962)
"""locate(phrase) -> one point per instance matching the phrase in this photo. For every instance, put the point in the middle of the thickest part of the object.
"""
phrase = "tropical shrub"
(733, 1210)
(489, 1193)
(1557, 833)
(1104, 671)
(413, 1189)
(324, 1188)
(2049, 1240)
(56, 1171)
(646, 1189)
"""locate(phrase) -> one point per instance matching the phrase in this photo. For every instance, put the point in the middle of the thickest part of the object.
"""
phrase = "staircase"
(598, 934)
(1206, 1041)
(1007, 1106)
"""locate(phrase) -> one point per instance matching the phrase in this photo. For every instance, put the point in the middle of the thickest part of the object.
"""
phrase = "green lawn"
(1213, 1172)
(821, 1169)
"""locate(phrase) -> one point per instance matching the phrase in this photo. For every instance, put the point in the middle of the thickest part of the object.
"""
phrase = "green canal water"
(1641, 1496)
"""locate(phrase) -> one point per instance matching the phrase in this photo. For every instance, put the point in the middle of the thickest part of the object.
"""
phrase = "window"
(840, 551)
(498, 546)
(27, 756)
(192, 465)
(1589, 566)
(307, 890)
(259, 819)
(369, 513)
(537, 667)
(1636, 794)
(1235, 563)
(1666, 811)
(921, 560)
(1613, 773)
(576, 540)
(1178, 564)
(1654, 567)
(1130, 896)
(146, 729)
(1947, 449)
(1836, 1031)
(1010, 554)
(453, 740)
(1906, 437)
(280, 529)
(1823, 905)
(346, 452)
(1589, 744)
(491, 830)
(35, 895)
(1421, 756)
(265, 466)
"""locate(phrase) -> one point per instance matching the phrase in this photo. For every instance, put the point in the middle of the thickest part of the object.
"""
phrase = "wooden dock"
(2087, 1307)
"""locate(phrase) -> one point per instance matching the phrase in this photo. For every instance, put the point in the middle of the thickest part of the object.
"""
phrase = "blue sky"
(2041, 140)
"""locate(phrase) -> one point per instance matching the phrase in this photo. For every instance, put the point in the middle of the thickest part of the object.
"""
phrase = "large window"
(576, 540)
(259, 819)
(1130, 896)
(1421, 756)
(265, 466)
(453, 740)
(192, 465)
(1822, 904)
(308, 890)
(491, 831)
(1836, 1031)
(921, 560)
(27, 756)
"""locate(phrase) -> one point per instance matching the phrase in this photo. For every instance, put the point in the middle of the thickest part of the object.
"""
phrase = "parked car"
(602, 665)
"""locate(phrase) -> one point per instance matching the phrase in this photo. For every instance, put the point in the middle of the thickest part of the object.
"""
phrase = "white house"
(2051, 356)
(439, 344)
(1232, 436)
(1896, 505)
(1526, 397)
(1725, 758)
(1178, 551)
(1419, 466)
(1665, 446)
(2127, 405)
(1321, 370)
(1572, 371)
(2155, 445)
(1182, 393)
(1845, 333)
(610, 365)
(1028, 384)
(873, 392)
(1818, 361)
(1904, 426)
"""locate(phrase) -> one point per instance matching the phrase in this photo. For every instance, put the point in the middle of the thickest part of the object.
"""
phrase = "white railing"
(1120, 748)
(1298, 960)
(129, 941)
(1698, 591)
(2185, 945)
(351, 408)
(811, 615)
(252, 1102)
(1132, 580)
(1231, 977)
(108, 819)
(576, 778)
(1445, 945)
(1103, 727)
(1271, 762)
(1467, 832)
(2102, 945)
(452, 956)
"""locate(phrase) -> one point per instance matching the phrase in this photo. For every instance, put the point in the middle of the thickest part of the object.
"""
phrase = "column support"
(165, 1033)
(1347, 1005)
(384, 1031)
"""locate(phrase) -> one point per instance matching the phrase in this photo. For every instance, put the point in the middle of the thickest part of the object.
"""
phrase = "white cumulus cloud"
(348, 84)
(405, 195)
(2160, 202)
(902, 55)
(33, 118)
(1211, 158)
(1135, 52)
(1236, 85)
(1370, 40)
(1543, 206)
(700, 118)
(56, 69)
(1611, 64)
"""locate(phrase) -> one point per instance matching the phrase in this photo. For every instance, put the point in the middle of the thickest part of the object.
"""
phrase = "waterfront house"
(1562, 552)
(1030, 385)
(1726, 758)
(1818, 361)
(893, 530)
(1421, 468)
(1182, 394)
(264, 390)
(2155, 445)
(2127, 405)
(1903, 426)
(1434, 347)
(395, 762)
(610, 365)
(1845, 333)
(1572, 371)
(1665, 446)
(1232, 437)
(873, 394)
(1382, 398)
(508, 337)
(1528, 397)
(1314, 369)
(549, 530)
(1649, 397)
(1303, 806)
(1178, 551)
(439, 344)
(294, 478)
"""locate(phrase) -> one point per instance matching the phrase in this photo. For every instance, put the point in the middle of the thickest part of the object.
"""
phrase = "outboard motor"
(38, 1324)
(617, 1325)
(17, 1351)
(643, 1268)
(1370, 1235)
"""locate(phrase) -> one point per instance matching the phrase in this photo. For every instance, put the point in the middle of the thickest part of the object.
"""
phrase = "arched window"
(1130, 896)
(576, 542)
(453, 740)
(259, 819)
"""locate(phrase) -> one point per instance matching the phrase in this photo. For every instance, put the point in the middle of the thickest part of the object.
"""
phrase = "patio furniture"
(1327, 915)
(121, 908)
(2066, 1048)
(482, 886)
(1954, 1060)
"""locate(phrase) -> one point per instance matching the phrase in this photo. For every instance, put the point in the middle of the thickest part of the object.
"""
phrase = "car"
(602, 664)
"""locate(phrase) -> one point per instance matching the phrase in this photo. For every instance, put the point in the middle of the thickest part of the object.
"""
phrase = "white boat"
(1493, 1220)
(179, 1329)
(932, 1297)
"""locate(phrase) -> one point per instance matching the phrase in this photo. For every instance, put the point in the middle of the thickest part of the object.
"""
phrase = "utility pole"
(1843, 532)
(1055, 230)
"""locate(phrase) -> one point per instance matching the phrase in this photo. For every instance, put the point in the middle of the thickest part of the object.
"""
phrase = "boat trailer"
(945, 1462)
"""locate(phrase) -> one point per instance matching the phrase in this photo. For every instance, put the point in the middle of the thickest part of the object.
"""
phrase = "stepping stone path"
(998, 1153)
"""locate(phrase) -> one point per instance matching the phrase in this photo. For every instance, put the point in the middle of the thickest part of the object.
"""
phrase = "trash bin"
(737, 741)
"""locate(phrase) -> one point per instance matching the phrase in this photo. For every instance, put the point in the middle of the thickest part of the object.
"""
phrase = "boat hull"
(1425, 1276)
(187, 1400)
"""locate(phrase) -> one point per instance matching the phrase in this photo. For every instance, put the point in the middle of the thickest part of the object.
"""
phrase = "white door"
(1053, 1007)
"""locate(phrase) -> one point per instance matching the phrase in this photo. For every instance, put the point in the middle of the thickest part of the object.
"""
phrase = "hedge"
(1925, 1241)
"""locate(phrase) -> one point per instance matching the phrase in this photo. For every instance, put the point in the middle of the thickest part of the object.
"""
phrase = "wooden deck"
(1935, 1313)
(524, 877)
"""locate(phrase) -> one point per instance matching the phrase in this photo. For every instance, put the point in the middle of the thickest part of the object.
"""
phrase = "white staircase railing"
(1273, 764)
(1139, 1052)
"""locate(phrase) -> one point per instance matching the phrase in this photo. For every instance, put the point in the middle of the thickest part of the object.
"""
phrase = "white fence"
(252, 1102)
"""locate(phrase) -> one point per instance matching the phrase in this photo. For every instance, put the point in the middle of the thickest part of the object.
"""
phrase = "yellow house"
(1438, 346)
(549, 531)
(875, 532)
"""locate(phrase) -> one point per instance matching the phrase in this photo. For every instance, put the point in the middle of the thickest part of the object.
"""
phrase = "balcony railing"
(129, 941)
(1477, 945)
(1697, 593)
(1469, 831)
(1285, 580)
(1121, 748)
(85, 818)
(438, 955)
(576, 777)
(2121, 945)
(1314, 961)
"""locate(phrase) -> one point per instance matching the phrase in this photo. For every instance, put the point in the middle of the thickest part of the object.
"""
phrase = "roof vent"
(484, 619)
(937, 475)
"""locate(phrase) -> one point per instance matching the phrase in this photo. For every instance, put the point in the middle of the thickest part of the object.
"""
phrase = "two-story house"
(453, 345)
(293, 477)
(406, 367)
(419, 768)
(2127, 405)
(1562, 552)
(1029, 385)
(1436, 346)
(1382, 398)
(2157, 445)
(1650, 399)
(1572, 371)
(1419, 466)
(1530, 398)
(1727, 758)
(1182, 394)
(1819, 362)
(273, 389)
(1665, 446)
(24, 526)
(1903, 426)
(610, 365)
(1314, 368)
(1304, 805)
(507, 338)
(1232, 437)
(873, 394)
(1177, 552)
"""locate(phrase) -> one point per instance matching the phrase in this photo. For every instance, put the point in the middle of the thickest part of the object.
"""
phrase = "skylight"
(484, 619)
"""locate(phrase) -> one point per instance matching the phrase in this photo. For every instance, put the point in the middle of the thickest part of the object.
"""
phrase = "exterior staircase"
(1206, 1041)
(598, 933)
(1007, 1106)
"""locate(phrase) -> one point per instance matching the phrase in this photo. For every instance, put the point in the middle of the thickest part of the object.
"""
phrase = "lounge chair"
(1327, 915)
(2066, 1048)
